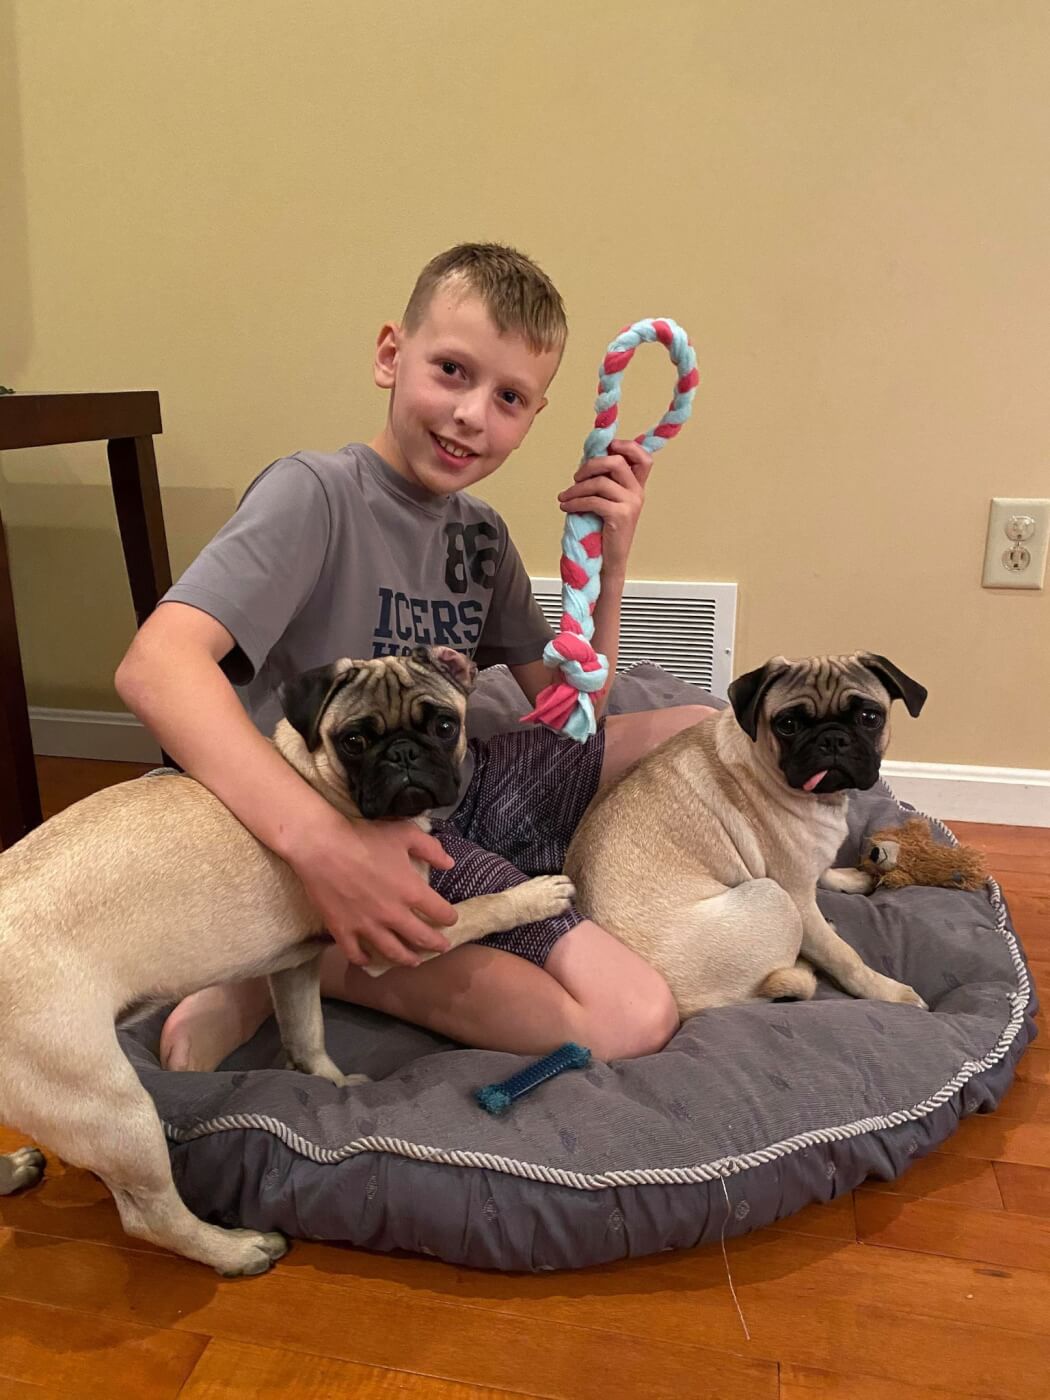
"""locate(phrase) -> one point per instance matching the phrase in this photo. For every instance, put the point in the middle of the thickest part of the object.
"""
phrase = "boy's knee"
(644, 1028)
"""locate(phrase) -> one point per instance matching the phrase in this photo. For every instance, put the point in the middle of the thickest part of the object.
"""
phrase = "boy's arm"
(171, 679)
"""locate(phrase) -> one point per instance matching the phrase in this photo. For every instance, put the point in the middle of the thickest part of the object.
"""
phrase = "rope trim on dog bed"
(658, 1176)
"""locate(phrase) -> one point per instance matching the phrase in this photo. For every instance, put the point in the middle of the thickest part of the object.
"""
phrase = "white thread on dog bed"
(725, 1260)
(653, 1176)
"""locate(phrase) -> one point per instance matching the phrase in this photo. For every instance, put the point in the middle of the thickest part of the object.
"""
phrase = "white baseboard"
(956, 792)
(1001, 796)
(91, 734)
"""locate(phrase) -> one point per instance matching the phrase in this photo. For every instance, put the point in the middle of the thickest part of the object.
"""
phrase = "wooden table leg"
(19, 794)
(140, 517)
(136, 494)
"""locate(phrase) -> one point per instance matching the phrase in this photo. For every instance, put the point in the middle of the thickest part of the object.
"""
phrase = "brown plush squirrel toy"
(908, 855)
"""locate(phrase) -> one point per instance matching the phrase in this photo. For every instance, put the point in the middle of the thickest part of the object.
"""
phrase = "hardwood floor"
(933, 1286)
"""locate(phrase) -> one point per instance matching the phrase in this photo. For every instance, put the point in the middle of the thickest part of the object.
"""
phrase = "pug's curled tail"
(796, 983)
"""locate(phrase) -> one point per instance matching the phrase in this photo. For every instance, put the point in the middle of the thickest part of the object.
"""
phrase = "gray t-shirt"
(335, 554)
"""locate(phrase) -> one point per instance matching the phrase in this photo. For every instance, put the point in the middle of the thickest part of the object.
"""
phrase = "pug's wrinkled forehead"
(398, 690)
(825, 686)
(395, 691)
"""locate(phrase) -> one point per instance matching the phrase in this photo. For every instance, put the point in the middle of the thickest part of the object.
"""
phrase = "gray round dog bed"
(751, 1112)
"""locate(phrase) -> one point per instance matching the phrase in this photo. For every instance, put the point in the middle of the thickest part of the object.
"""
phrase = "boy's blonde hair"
(520, 298)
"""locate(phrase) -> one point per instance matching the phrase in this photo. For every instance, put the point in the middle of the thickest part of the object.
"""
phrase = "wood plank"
(69, 1203)
(960, 1232)
(829, 1220)
(1004, 840)
(64, 781)
(1031, 918)
(1030, 1102)
(46, 420)
(938, 1177)
(595, 1334)
(1034, 1065)
(1025, 1190)
(26, 1390)
(1016, 882)
(228, 1370)
(686, 1294)
(992, 1138)
(73, 1353)
(298, 1310)
(806, 1383)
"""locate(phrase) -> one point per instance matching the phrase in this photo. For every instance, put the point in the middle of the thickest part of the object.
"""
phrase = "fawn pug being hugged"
(705, 857)
(152, 889)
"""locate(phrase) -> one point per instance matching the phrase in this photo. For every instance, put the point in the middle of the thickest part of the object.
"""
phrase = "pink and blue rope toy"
(566, 704)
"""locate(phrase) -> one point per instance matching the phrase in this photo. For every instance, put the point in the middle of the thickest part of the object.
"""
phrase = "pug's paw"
(546, 896)
(846, 880)
(904, 995)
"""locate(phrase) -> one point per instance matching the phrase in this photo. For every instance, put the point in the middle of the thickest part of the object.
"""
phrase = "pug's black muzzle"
(406, 774)
(848, 757)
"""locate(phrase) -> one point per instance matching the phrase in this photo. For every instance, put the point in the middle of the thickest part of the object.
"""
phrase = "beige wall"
(846, 203)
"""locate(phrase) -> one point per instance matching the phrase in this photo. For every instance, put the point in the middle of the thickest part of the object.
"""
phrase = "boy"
(376, 548)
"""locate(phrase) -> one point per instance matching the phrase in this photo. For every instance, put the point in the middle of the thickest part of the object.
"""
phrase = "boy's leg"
(593, 989)
(630, 737)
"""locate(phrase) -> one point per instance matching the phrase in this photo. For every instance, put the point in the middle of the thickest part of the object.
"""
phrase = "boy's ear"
(384, 363)
(543, 404)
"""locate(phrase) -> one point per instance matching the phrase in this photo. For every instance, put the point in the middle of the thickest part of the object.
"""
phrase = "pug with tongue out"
(705, 857)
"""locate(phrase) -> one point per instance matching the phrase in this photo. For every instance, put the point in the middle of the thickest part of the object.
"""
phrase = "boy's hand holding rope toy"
(566, 704)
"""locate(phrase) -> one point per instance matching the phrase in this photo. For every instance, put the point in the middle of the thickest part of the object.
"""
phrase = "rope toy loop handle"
(566, 703)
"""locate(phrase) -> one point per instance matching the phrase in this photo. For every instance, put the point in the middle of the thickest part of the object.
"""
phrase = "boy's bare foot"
(209, 1025)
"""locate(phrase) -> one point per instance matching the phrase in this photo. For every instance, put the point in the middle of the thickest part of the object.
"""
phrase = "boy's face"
(463, 395)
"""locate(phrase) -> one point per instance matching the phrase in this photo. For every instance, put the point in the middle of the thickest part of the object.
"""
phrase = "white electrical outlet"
(1015, 553)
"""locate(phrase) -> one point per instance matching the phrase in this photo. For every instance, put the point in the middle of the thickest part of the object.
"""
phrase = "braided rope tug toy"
(566, 704)
(497, 1098)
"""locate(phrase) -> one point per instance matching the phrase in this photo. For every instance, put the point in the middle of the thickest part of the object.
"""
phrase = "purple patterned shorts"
(529, 791)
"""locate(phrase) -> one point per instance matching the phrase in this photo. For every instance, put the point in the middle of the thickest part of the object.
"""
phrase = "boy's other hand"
(612, 488)
(361, 880)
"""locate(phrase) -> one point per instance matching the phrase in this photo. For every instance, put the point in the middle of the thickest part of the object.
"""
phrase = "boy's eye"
(449, 367)
(509, 396)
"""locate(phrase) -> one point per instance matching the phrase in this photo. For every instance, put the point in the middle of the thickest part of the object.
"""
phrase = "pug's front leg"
(847, 880)
(543, 897)
(296, 995)
(823, 946)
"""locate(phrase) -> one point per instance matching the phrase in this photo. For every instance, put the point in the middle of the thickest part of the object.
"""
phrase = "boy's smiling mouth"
(452, 452)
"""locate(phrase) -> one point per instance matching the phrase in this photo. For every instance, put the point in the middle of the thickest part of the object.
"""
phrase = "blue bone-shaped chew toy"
(497, 1098)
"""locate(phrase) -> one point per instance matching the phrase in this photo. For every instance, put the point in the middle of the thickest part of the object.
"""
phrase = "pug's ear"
(747, 692)
(898, 685)
(459, 669)
(305, 699)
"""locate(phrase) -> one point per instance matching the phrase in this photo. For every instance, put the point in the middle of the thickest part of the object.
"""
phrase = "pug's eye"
(353, 745)
(786, 725)
(870, 719)
(445, 728)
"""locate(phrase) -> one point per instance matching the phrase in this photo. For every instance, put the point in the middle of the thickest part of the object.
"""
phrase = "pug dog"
(706, 855)
(152, 889)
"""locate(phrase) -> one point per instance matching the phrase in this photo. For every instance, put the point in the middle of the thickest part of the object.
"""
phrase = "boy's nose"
(469, 411)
